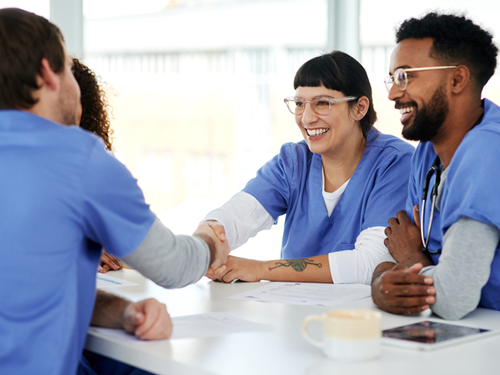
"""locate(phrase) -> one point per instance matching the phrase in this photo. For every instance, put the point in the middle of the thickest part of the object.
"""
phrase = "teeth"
(405, 110)
(316, 132)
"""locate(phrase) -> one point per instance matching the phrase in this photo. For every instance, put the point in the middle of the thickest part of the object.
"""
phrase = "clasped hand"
(403, 239)
(214, 235)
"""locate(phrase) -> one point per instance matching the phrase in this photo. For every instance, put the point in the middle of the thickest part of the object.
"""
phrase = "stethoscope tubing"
(433, 170)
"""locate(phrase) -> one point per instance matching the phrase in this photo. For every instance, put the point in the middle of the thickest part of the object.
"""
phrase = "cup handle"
(306, 335)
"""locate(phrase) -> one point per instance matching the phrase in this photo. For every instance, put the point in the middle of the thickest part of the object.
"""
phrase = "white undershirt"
(243, 217)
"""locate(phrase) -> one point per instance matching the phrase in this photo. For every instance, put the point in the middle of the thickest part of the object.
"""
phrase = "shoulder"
(385, 151)
(488, 128)
(294, 154)
(388, 143)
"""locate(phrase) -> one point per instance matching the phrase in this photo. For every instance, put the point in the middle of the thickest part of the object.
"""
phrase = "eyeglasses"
(400, 77)
(320, 105)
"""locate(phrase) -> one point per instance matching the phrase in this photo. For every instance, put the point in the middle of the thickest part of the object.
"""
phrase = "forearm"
(356, 266)
(169, 260)
(314, 269)
(381, 268)
(468, 249)
(108, 310)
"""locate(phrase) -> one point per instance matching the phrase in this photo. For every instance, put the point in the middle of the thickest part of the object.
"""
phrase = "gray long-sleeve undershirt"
(172, 261)
(464, 267)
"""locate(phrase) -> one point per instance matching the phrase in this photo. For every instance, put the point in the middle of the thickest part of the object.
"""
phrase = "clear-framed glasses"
(400, 76)
(321, 105)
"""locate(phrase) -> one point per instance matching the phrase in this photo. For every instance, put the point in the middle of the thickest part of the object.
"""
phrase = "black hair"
(457, 40)
(25, 39)
(340, 72)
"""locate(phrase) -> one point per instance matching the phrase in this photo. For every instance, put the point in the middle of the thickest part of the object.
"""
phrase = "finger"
(386, 242)
(410, 310)
(412, 290)
(220, 271)
(393, 222)
(416, 215)
(152, 311)
(405, 277)
(402, 216)
(218, 230)
(388, 231)
(161, 327)
(414, 302)
(104, 268)
(111, 261)
(99, 269)
(229, 277)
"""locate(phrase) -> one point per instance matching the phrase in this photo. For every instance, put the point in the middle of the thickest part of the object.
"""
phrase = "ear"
(460, 79)
(47, 78)
(360, 108)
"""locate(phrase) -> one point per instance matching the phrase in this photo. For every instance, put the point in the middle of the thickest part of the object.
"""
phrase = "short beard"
(429, 118)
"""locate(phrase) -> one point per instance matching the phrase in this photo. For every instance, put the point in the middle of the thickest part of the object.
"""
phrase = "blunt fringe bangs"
(340, 72)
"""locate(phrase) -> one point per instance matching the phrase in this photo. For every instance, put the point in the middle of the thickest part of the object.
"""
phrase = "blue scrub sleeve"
(389, 193)
(473, 183)
(115, 213)
(271, 186)
(414, 189)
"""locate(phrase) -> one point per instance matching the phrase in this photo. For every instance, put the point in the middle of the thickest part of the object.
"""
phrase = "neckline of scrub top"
(317, 185)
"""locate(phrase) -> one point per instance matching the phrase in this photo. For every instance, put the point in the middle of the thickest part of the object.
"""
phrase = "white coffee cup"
(348, 334)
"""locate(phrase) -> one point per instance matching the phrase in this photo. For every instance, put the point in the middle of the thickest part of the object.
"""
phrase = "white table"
(283, 350)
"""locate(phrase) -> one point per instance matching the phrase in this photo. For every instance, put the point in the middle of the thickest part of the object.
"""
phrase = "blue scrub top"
(62, 198)
(471, 190)
(291, 184)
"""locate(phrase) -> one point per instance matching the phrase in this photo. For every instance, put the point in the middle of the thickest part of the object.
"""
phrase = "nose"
(308, 116)
(395, 92)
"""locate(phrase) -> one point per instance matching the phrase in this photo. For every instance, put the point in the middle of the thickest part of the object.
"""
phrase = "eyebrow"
(317, 97)
(402, 67)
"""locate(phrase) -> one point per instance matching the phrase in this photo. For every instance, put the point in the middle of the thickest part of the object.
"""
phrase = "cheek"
(78, 113)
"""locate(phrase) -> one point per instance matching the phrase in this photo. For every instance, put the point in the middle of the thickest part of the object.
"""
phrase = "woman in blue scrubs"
(338, 187)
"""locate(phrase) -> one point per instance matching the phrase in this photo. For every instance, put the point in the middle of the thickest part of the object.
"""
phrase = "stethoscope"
(437, 171)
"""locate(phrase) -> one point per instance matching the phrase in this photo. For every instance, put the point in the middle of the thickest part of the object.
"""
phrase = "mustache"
(400, 105)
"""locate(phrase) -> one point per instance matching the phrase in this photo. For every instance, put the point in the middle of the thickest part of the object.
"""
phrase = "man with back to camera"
(63, 198)
(437, 72)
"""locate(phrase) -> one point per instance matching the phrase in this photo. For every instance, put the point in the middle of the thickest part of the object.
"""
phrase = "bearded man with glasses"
(447, 257)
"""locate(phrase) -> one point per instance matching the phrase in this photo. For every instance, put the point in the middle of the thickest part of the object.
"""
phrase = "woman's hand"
(109, 262)
(237, 269)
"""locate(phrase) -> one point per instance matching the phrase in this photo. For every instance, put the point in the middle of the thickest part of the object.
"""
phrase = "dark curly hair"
(457, 40)
(95, 107)
(339, 71)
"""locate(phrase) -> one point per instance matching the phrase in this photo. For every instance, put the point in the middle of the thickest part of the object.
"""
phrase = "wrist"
(211, 247)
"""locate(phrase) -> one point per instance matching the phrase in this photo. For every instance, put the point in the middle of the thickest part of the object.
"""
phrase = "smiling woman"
(337, 188)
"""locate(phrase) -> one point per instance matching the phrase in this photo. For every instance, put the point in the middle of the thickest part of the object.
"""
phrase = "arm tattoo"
(298, 265)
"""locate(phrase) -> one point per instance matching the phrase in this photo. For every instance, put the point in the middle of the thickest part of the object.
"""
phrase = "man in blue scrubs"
(63, 197)
(436, 76)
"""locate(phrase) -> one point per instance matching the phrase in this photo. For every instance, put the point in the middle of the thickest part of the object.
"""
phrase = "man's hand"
(214, 235)
(401, 290)
(109, 262)
(403, 240)
(148, 320)
(237, 268)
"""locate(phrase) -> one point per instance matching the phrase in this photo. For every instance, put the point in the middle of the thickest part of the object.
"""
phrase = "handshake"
(213, 233)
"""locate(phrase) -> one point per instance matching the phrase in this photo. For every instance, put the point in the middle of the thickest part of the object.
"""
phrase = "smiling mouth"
(316, 132)
(405, 112)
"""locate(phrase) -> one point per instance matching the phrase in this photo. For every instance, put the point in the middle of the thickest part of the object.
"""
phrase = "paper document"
(306, 293)
(213, 324)
(105, 281)
(194, 326)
